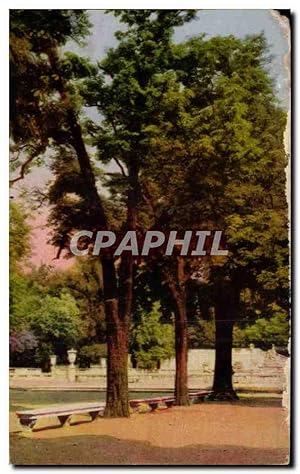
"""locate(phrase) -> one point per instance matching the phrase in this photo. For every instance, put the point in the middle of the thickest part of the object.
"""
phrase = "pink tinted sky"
(42, 251)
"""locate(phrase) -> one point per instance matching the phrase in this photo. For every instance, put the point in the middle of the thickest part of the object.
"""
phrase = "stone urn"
(72, 356)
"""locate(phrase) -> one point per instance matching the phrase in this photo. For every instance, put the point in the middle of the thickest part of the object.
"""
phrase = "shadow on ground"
(250, 402)
(99, 450)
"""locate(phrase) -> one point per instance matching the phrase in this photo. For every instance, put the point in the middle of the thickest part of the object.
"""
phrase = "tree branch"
(25, 165)
(121, 167)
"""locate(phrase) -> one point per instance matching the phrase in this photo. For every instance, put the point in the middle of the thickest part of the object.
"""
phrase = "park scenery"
(149, 237)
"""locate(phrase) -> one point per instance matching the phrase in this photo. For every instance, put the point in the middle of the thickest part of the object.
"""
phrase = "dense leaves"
(152, 341)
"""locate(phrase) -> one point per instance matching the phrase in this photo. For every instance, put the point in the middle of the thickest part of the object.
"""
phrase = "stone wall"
(254, 369)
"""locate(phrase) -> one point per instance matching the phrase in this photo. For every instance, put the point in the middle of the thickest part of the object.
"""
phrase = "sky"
(239, 23)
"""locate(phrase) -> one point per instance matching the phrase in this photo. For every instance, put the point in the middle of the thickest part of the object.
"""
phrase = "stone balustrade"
(254, 369)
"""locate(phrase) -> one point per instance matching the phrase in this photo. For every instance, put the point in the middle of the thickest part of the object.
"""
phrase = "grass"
(24, 399)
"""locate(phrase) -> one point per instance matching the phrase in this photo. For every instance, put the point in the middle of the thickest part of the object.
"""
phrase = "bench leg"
(94, 414)
(63, 419)
(169, 404)
(153, 406)
(28, 425)
(198, 399)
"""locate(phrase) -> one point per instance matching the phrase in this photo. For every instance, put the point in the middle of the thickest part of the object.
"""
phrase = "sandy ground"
(201, 434)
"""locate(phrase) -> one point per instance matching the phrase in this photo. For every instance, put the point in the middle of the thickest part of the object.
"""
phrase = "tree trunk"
(118, 316)
(226, 308)
(178, 292)
(117, 344)
(117, 403)
(181, 347)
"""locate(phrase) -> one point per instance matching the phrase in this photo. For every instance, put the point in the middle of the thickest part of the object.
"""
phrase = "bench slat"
(67, 412)
(54, 411)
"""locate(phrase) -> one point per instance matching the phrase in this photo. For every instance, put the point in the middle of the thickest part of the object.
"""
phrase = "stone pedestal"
(71, 368)
(53, 360)
(71, 373)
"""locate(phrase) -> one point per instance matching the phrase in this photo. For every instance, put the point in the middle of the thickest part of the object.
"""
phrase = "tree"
(150, 55)
(81, 281)
(173, 118)
(152, 341)
(243, 172)
(128, 96)
(19, 233)
(267, 328)
(226, 155)
(91, 354)
(33, 117)
(57, 322)
(56, 106)
(24, 299)
(23, 294)
(22, 346)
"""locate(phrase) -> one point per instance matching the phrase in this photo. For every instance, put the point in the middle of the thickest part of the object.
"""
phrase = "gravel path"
(200, 434)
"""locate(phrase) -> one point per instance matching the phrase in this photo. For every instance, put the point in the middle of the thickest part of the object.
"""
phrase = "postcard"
(150, 209)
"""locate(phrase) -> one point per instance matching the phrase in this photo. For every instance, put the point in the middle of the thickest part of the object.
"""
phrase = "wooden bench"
(29, 418)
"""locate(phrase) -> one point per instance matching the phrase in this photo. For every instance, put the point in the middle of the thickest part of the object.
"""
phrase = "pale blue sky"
(211, 22)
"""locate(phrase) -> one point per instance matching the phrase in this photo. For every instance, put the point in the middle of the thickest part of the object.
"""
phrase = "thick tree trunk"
(181, 347)
(117, 404)
(226, 308)
(117, 344)
(178, 292)
(222, 386)
(118, 316)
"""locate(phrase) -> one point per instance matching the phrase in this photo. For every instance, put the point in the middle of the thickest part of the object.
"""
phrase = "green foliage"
(225, 152)
(42, 356)
(24, 300)
(84, 282)
(151, 340)
(62, 309)
(36, 115)
(201, 334)
(19, 233)
(57, 322)
(91, 354)
(265, 332)
(49, 27)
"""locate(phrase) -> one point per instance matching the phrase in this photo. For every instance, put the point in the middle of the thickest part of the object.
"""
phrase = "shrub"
(91, 354)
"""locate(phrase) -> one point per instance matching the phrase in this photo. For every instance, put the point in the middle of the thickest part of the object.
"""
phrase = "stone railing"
(253, 368)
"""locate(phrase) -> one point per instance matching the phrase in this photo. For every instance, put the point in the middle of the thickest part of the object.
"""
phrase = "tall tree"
(44, 32)
(242, 178)
(125, 106)
(227, 158)
(130, 102)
